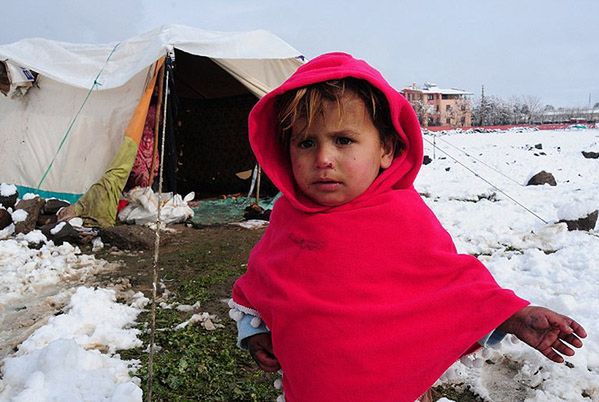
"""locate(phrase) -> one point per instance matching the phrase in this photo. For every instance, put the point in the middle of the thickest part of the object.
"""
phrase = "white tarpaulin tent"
(59, 137)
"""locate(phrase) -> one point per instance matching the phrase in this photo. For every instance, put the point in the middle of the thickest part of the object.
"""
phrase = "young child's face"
(339, 156)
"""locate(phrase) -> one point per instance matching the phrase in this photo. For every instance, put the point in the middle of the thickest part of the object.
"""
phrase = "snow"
(6, 190)
(74, 356)
(62, 360)
(20, 215)
(533, 255)
(57, 228)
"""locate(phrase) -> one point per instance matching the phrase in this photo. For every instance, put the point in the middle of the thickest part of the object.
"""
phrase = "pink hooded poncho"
(367, 301)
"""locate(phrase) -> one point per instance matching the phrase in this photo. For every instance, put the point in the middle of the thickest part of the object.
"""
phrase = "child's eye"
(344, 141)
(305, 144)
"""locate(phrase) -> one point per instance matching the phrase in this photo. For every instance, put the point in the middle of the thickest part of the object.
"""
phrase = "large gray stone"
(32, 207)
(5, 218)
(129, 237)
(586, 223)
(9, 201)
(541, 178)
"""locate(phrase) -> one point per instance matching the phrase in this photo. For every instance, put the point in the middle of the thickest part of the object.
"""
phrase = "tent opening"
(210, 129)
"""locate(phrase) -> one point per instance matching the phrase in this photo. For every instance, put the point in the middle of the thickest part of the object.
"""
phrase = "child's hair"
(307, 103)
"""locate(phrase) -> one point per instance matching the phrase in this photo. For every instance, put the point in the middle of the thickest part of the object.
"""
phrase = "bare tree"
(423, 111)
(533, 106)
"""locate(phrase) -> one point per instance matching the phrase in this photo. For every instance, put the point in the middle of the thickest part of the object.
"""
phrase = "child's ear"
(388, 154)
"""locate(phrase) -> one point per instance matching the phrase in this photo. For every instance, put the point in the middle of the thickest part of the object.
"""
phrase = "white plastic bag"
(143, 207)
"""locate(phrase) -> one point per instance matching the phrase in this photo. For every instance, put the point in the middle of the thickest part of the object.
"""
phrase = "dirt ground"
(222, 245)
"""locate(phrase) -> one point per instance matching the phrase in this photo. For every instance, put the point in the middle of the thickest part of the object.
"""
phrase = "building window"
(448, 120)
(447, 108)
(437, 108)
(431, 97)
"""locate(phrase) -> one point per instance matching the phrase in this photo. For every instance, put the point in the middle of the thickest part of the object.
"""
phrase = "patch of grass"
(198, 365)
(193, 364)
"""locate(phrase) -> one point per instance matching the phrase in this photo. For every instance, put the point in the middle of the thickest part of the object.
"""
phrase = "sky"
(542, 48)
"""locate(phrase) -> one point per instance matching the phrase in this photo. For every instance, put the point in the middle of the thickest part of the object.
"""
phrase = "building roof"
(430, 88)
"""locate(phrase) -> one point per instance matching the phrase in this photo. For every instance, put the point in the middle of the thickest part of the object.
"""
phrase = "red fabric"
(367, 301)
(140, 172)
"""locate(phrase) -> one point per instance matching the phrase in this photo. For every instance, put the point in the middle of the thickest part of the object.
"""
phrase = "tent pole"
(157, 123)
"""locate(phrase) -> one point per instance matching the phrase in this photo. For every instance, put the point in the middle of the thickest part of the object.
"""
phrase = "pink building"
(440, 107)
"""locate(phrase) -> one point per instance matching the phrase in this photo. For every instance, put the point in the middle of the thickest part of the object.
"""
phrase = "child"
(355, 289)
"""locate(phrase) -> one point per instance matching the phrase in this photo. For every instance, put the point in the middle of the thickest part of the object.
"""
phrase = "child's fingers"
(552, 355)
(562, 348)
(572, 340)
(578, 329)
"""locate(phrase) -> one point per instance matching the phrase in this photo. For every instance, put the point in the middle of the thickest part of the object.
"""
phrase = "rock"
(539, 146)
(32, 207)
(66, 234)
(5, 218)
(44, 220)
(129, 237)
(427, 160)
(53, 205)
(586, 223)
(541, 178)
(590, 155)
(9, 201)
(254, 211)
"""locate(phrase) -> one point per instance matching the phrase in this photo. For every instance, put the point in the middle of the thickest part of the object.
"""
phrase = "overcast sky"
(544, 48)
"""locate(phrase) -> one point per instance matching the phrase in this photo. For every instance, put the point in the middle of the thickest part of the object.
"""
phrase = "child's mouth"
(327, 184)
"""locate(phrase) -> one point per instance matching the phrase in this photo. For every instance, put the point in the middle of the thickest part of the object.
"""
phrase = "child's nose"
(325, 157)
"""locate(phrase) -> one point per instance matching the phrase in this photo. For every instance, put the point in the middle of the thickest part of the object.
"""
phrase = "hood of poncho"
(367, 301)
(331, 66)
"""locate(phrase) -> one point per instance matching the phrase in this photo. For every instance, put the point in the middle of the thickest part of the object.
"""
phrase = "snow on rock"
(30, 196)
(20, 215)
(7, 232)
(63, 360)
(34, 237)
(6, 190)
(57, 228)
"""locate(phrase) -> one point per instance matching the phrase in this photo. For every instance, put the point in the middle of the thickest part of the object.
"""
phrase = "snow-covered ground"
(72, 355)
(75, 355)
(534, 256)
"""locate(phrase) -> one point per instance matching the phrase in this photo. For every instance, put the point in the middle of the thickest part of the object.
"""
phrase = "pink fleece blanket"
(368, 301)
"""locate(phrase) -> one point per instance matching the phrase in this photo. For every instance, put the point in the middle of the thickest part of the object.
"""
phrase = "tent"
(69, 111)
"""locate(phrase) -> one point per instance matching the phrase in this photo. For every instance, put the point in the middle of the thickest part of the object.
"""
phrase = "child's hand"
(545, 330)
(260, 348)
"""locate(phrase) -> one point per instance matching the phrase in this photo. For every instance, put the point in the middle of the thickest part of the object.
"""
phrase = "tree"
(533, 107)
(423, 110)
